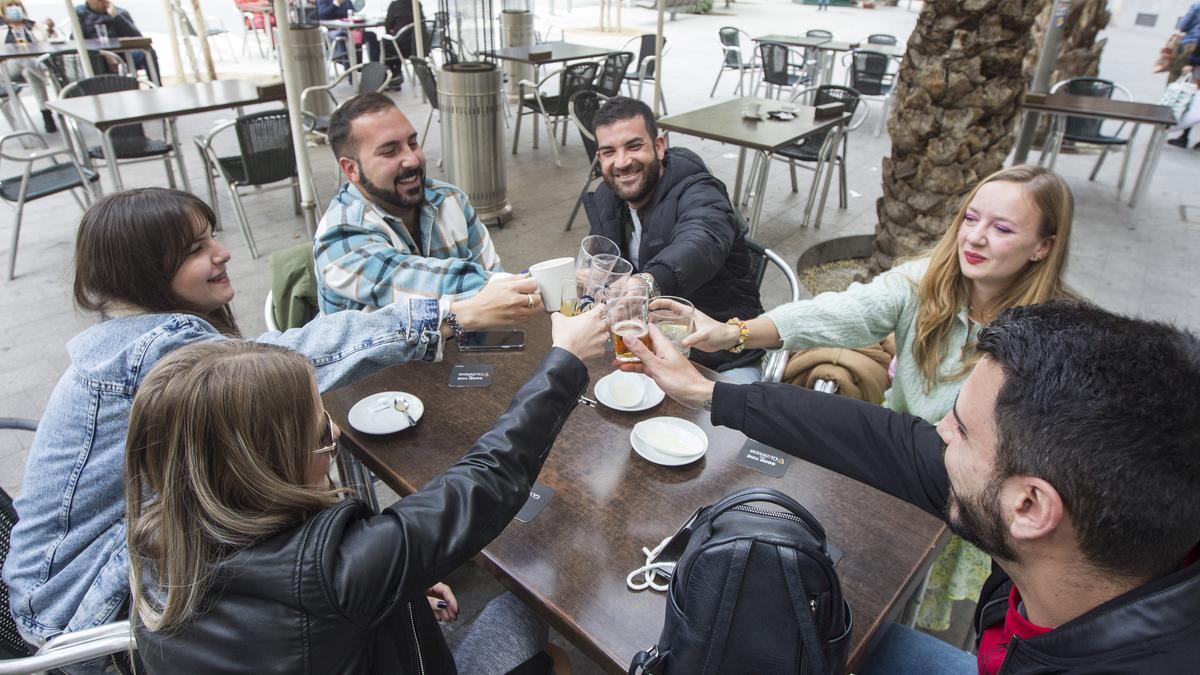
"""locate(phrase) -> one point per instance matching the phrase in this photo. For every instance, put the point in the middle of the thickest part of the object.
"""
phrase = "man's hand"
(711, 335)
(671, 370)
(442, 601)
(503, 303)
(584, 335)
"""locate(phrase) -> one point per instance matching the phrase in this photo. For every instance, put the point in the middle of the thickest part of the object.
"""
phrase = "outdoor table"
(724, 122)
(1061, 105)
(106, 111)
(570, 562)
(35, 50)
(560, 52)
(349, 25)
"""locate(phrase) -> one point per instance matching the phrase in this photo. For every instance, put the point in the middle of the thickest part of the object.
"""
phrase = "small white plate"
(651, 454)
(375, 414)
(651, 398)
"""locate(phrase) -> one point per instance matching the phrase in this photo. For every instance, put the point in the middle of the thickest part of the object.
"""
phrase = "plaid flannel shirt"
(366, 259)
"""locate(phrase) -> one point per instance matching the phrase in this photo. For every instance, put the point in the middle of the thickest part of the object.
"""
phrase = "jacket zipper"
(416, 642)
(979, 622)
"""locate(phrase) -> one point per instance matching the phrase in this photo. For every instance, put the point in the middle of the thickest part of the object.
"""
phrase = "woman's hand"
(711, 335)
(672, 371)
(442, 601)
(502, 303)
(584, 335)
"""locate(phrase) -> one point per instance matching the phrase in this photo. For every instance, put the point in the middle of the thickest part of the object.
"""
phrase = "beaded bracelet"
(460, 336)
(743, 333)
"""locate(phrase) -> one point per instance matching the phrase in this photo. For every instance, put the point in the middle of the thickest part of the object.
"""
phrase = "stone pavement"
(1131, 260)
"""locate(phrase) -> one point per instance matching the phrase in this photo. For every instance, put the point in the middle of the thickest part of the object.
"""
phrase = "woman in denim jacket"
(147, 261)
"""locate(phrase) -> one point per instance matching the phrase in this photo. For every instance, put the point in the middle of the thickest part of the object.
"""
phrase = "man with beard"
(392, 231)
(674, 222)
(1072, 457)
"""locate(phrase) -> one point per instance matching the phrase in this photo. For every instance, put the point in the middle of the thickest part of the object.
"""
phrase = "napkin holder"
(828, 110)
(269, 91)
(540, 56)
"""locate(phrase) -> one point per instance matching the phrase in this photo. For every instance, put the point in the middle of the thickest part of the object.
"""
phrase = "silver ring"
(529, 296)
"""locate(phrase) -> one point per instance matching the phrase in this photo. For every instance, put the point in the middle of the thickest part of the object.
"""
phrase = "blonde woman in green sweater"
(1007, 246)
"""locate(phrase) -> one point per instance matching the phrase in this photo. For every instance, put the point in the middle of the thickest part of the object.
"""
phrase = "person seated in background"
(147, 265)
(1070, 457)
(392, 231)
(116, 21)
(399, 15)
(23, 30)
(1007, 246)
(339, 10)
(237, 537)
(674, 222)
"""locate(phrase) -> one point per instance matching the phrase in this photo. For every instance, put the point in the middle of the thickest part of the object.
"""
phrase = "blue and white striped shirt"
(366, 259)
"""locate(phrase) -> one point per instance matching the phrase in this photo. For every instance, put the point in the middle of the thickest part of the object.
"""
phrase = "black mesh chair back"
(128, 139)
(731, 37)
(882, 39)
(818, 33)
(774, 57)
(371, 77)
(575, 78)
(584, 106)
(869, 73)
(11, 644)
(646, 50)
(608, 82)
(265, 140)
(758, 261)
(1081, 128)
(810, 147)
(67, 67)
(427, 80)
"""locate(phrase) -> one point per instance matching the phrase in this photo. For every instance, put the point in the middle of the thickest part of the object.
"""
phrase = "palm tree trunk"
(1079, 52)
(957, 97)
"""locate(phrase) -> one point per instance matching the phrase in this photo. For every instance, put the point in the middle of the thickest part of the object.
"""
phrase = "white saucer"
(650, 454)
(367, 418)
(651, 398)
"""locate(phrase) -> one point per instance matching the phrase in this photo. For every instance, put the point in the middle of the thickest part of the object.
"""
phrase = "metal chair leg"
(714, 87)
(579, 202)
(16, 235)
(1099, 163)
(243, 222)
(428, 121)
(517, 130)
(1125, 163)
(792, 171)
(170, 171)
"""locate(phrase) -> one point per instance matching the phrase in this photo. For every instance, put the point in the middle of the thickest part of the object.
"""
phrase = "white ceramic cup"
(550, 275)
(753, 110)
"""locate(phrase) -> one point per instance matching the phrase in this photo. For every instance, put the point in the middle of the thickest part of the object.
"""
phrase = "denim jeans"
(904, 651)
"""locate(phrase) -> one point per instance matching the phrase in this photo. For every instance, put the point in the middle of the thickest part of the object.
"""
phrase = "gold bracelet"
(743, 333)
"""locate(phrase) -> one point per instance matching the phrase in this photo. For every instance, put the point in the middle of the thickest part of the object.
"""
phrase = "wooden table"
(570, 563)
(105, 111)
(560, 52)
(724, 122)
(1061, 105)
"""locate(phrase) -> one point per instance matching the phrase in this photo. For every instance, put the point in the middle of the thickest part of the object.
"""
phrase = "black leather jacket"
(345, 591)
(691, 244)
(1152, 629)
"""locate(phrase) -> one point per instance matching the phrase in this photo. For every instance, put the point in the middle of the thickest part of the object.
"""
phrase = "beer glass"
(592, 246)
(569, 298)
(673, 316)
(627, 320)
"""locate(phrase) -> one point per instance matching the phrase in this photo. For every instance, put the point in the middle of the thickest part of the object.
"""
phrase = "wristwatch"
(707, 404)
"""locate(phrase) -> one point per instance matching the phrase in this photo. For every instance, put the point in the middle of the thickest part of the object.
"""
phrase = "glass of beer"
(673, 316)
(603, 283)
(569, 294)
(628, 320)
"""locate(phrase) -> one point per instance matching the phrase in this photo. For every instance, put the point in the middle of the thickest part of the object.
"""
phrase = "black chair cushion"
(550, 101)
(133, 148)
(45, 181)
(1096, 140)
(233, 169)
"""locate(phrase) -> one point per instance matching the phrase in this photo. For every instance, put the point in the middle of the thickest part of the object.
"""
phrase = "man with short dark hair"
(392, 231)
(1072, 457)
(674, 222)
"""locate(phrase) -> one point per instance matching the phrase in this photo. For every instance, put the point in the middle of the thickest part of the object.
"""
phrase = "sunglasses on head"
(328, 444)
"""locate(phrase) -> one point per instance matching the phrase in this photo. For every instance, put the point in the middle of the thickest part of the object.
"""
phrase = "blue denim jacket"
(68, 566)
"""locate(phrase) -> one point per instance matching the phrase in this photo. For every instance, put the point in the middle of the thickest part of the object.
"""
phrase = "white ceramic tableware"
(669, 441)
(377, 414)
(652, 395)
(550, 275)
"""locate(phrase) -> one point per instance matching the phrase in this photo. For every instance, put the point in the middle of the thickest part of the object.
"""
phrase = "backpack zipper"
(774, 514)
(416, 642)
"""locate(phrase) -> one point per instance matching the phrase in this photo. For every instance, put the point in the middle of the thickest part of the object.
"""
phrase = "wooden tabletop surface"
(559, 52)
(33, 50)
(724, 122)
(124, 107)
(571, 561)
(1105, 108)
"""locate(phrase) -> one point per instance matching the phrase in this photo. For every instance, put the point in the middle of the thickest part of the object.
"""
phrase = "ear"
(1032, 507)
(350, 168)
(1043, 249)
(660, 147)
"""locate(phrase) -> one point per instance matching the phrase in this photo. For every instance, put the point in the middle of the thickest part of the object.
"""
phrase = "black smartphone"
(493, 341)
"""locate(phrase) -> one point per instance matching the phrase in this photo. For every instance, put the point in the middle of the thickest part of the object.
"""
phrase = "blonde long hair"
(944, 290)
(221, 438)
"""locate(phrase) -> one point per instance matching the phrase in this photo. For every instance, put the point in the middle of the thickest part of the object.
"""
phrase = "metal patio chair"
(612, 74)
(809, 149)
(372, 77)
(583, 108)
(645, 68)
(777, 70)
(1088, 130)
(734, 57)
(130, 142)
(552, 108)
(870, 75)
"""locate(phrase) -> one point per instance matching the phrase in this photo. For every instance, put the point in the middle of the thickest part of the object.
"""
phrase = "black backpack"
(754, 591)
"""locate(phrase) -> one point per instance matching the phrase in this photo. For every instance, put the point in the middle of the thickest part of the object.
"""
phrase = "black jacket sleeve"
(123, 22)
(700, 239)
(893, 452)
(389, 558)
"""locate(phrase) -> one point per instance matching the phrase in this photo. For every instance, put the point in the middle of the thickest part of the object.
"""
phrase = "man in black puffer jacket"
(673, 220)
(1070, 457)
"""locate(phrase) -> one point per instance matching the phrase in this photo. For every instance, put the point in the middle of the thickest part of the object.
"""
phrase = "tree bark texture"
(957, 96)
(1079, 52)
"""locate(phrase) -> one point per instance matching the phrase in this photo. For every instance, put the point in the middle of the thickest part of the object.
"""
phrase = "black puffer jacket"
(690, 243)
(1151, 629)
(344, 592)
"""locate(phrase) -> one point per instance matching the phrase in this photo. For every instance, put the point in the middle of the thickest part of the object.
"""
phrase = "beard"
(641, 189)
(394, 195)
(977, 519)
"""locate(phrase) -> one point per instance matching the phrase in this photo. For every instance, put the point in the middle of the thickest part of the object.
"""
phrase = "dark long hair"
(129, 247)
